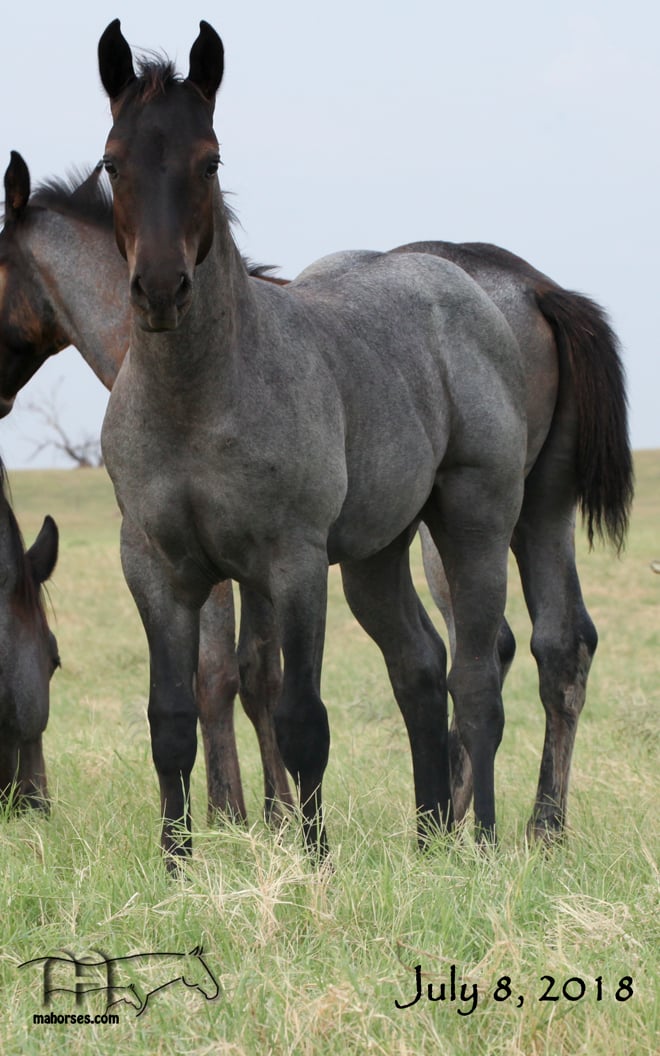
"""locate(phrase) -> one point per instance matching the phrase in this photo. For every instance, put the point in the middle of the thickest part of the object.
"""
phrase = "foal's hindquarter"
(276, 431)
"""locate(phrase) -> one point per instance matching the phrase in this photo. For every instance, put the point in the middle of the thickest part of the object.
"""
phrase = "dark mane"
(26, 593)
(82, 194)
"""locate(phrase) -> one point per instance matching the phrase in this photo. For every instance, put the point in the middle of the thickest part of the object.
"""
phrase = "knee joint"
(303, 738)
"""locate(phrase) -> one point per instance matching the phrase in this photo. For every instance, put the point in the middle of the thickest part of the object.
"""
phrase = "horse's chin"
(157, 327)
(6, 406)
(159, 320)
(160, 323)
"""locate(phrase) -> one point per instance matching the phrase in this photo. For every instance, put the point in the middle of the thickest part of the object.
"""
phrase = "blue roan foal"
(261, 433)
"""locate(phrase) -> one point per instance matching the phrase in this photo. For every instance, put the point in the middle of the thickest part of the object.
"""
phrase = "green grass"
(313, 962)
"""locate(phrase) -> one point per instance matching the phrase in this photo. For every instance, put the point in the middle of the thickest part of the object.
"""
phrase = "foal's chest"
(205, 501)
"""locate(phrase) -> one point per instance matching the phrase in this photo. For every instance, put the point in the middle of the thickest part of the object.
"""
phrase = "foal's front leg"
(301, 720)
(172, 626)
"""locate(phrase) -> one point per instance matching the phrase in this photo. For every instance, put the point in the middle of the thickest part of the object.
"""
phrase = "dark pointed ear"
(17, 186)
(207, 62)
(115, 61)
(42, 555)
(89, 185)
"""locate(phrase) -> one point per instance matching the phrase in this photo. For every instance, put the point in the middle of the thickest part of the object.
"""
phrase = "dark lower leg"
(563, 643)
(303, 737)
(563, 699)
(382, 597)
(301, 721)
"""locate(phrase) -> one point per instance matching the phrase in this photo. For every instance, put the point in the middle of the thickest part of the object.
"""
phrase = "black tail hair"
(604, 466)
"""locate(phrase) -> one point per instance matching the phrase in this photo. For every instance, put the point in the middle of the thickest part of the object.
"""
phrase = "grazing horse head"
(162, 159)
(28, 655)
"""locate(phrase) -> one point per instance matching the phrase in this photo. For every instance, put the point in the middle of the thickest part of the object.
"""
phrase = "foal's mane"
(28, 595)
(82, 194)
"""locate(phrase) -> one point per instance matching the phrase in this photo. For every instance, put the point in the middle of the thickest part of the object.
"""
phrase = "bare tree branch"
(84, 453)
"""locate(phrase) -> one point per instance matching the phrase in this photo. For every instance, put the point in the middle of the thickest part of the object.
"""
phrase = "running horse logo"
(132, 980)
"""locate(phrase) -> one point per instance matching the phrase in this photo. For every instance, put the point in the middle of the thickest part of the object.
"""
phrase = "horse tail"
(604, 469)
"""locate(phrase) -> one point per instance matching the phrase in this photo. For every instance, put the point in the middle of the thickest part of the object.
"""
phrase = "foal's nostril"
(183, 290)
(138, 292)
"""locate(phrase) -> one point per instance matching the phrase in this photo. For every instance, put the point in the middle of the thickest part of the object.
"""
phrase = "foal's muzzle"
(161, 306)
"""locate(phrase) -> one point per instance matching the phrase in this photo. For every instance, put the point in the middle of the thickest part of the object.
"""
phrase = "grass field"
(313, 962)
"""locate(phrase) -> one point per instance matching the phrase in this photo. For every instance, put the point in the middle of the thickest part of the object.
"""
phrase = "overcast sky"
(365, 124)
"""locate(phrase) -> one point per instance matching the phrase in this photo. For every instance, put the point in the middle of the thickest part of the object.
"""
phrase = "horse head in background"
(28, 657)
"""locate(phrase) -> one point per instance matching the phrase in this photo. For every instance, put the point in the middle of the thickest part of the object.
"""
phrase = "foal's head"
(162, 159)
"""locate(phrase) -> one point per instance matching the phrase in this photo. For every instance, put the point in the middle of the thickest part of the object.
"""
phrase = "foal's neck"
(87, 284)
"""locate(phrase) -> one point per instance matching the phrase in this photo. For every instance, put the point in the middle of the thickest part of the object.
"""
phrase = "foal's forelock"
(153, 79)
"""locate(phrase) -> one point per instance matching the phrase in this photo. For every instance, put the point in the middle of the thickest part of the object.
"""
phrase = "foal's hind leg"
(382, 597)
(563, 638)
(459, 760)
(471, 514)
(216, 688)
(260, 687)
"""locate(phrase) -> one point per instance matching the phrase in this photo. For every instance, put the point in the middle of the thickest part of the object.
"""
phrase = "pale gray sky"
(366, 123)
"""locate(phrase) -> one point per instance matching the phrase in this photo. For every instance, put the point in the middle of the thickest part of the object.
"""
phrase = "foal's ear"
(17, 186)
(115, 61)
(207, 61)
(42, 555)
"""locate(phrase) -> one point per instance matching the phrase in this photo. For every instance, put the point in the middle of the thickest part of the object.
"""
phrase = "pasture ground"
(313, 962)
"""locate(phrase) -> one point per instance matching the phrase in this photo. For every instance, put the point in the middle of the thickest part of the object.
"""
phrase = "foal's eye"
(110, 168)
(212, 169)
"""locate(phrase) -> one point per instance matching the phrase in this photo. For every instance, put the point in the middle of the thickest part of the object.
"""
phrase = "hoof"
(547, 830)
